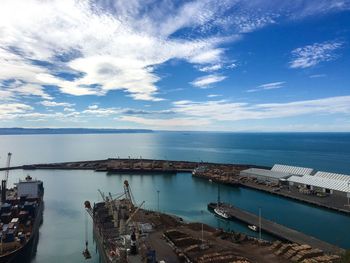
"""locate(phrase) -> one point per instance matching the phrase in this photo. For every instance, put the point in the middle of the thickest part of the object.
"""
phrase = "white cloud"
(93, 107)
(115, 45)
(210, 68)
(47, 103)
(170, 123)
(223, 110)
(69, 110)
(317, 76)
(268, 86)
(101, 112)
(213, 95)
(314, 54)
(111, 51)
(210, 56)
(206, 81)
(16, 89)
(10, 110)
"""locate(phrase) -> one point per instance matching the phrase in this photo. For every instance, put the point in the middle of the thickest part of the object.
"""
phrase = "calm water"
(62, 233)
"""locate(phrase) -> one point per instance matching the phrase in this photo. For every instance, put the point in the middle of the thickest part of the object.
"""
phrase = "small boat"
(253, 228)
(221, 212)
(210, 180)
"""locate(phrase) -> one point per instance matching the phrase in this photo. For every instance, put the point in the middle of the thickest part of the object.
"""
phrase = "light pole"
(202, 226)
(348, 196)
(158, 199)
(259, 223)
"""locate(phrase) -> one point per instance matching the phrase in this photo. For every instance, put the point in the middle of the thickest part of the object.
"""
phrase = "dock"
(277, 230)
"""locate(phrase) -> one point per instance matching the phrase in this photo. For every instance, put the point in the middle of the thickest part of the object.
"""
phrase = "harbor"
(206, 172)
(145, 187)
(228, 174)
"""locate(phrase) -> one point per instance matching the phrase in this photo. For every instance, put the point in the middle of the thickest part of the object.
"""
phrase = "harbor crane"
(4, 181)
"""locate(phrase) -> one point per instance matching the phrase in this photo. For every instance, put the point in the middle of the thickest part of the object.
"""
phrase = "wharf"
(277, 230)
(334, 203)
(119, 165)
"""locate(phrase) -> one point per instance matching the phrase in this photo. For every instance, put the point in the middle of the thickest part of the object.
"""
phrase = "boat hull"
(28, 251)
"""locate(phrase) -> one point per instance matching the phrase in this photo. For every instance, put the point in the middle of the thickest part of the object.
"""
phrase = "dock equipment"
(86, 252)
(277, 230)
(4, 181)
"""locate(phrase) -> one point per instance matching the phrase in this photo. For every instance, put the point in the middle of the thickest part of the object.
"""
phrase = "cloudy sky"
(228, 65)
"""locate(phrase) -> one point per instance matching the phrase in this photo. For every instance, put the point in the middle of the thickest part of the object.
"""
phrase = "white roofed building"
(322, 184)
(292, 169)
(265, 175)
(277, 173)
(334, 176)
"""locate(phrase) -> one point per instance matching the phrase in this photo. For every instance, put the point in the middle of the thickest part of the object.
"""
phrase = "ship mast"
(218, 204)
(4, 182)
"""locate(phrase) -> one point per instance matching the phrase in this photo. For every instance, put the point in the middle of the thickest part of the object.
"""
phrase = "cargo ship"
(21, 214)
(121, 229)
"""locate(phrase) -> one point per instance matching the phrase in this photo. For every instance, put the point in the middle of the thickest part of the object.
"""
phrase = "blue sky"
(230, 65)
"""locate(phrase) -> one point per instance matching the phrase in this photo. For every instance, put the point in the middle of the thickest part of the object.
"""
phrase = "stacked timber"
(323, 259)
(307, 254)
(283, 249)
(295, 250)
(218, 257)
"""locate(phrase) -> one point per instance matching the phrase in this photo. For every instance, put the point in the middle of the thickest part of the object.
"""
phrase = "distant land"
(20, 131)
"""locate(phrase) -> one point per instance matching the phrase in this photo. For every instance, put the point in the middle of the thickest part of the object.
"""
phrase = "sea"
(62, 235)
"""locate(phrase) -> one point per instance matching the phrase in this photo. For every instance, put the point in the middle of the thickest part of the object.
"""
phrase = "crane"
(4, 182)
(128, 193)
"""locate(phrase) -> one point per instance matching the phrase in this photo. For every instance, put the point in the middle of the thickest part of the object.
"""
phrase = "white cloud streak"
(47, 103)
(311, 55)
(206, 81)
(268, 86)
(223, 110)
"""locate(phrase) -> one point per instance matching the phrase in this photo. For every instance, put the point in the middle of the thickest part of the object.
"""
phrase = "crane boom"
(102, 195)
(133, 214)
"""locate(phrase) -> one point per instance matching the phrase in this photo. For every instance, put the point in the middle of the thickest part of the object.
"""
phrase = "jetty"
(277, 230)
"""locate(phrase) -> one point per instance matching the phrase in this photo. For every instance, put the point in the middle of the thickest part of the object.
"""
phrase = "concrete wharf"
(277, 230)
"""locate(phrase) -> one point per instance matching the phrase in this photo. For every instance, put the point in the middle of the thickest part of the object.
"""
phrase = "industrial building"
(333, 184)
(295, 170)
(277, 173)
(264, 175)
(301, 177)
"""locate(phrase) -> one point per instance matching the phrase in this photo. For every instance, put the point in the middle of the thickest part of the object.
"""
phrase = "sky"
(206, 65)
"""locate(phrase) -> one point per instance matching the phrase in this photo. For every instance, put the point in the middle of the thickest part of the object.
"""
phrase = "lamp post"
(259, 223)
(202, 226)
(348, 195)
(158, 200)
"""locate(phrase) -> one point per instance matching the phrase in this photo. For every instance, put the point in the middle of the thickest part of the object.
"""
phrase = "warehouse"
(334, 176)
(321, 184)
(296, 170)
(277, 174)
(264, 175)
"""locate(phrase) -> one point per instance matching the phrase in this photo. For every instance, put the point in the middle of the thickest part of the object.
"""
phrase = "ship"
(221, 212)
(121, 228)
(21, 216)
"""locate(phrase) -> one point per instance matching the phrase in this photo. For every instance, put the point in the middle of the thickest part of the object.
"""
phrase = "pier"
(277, 230)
